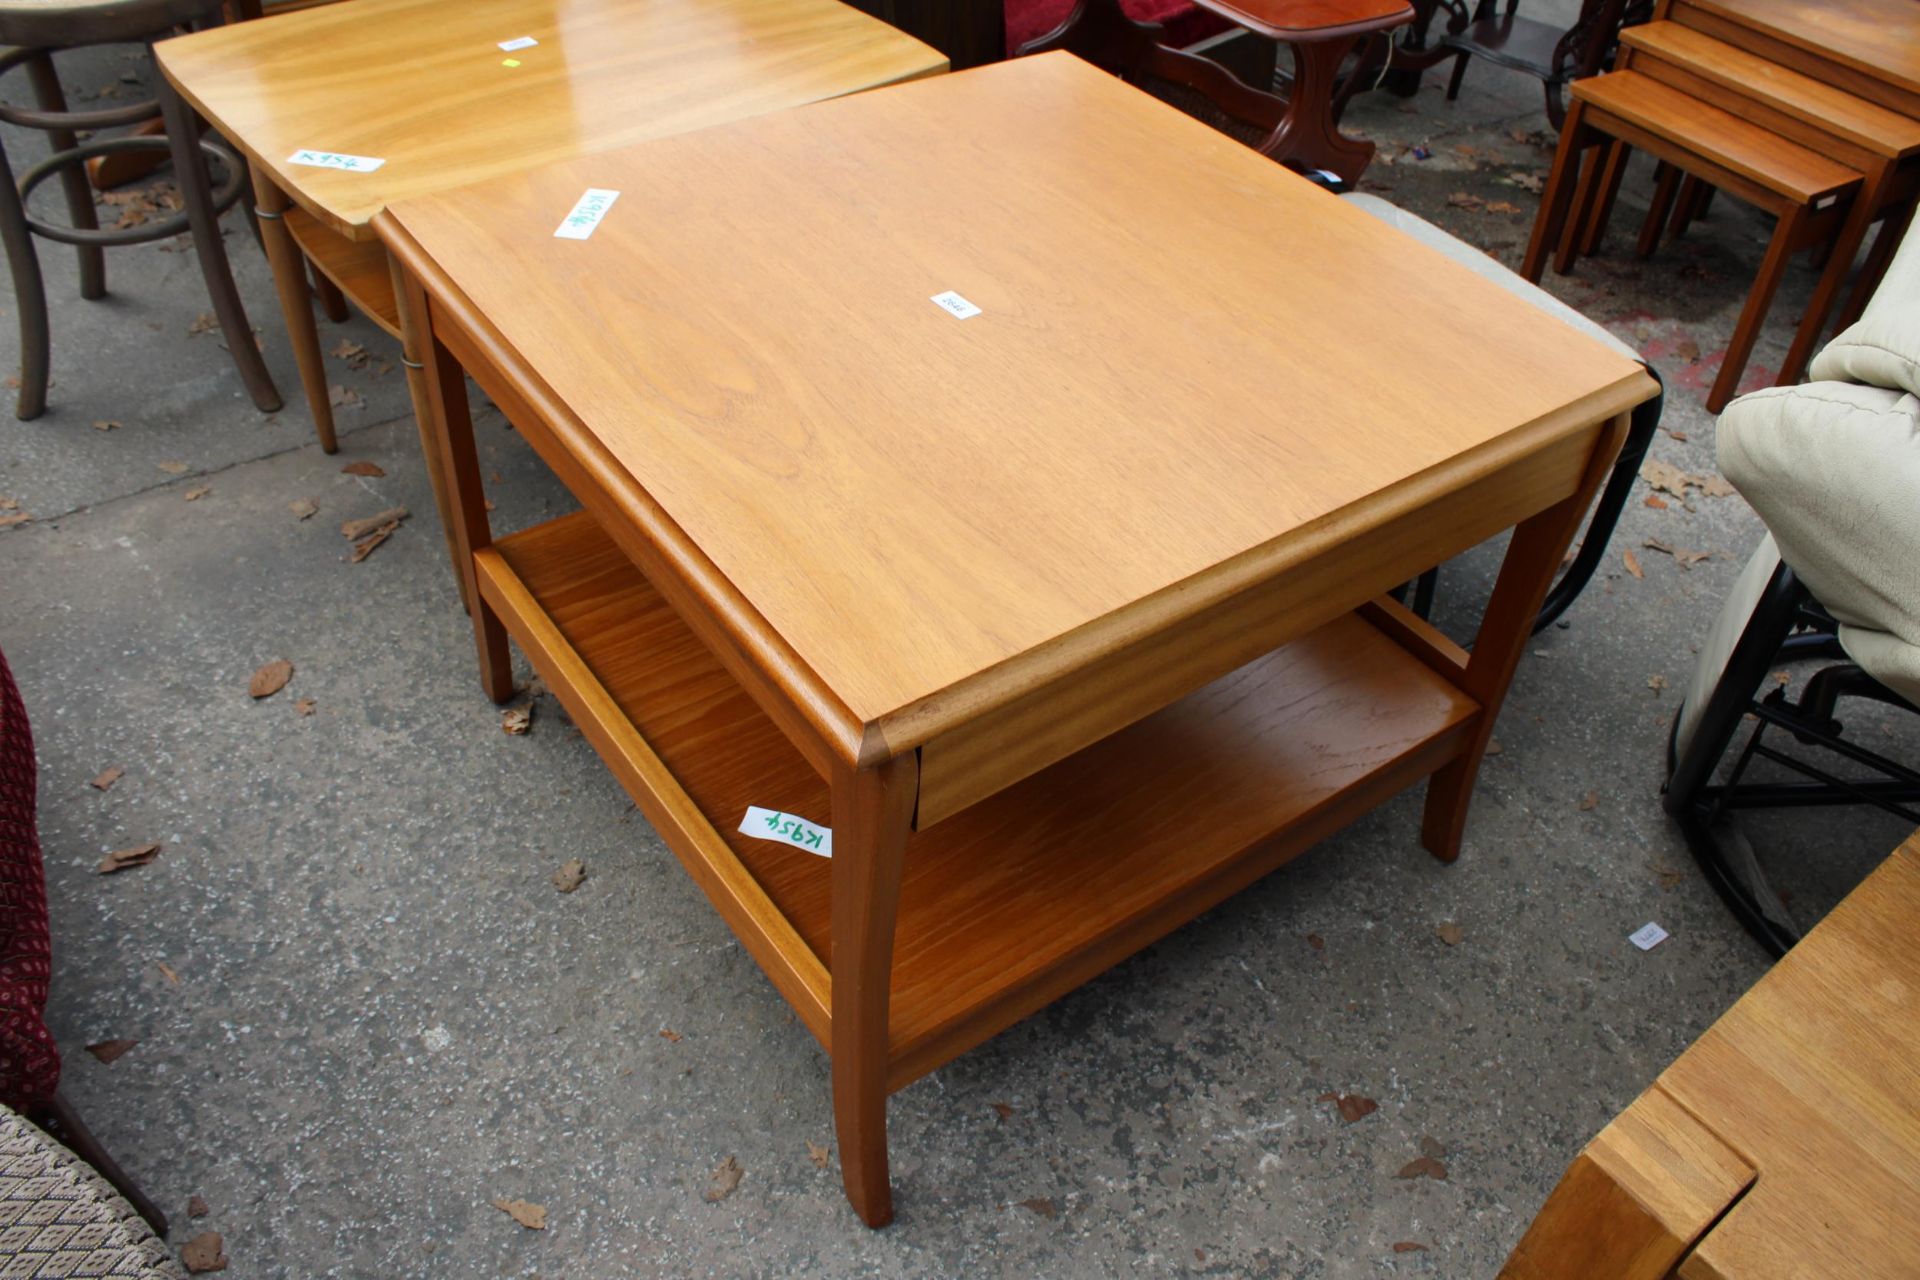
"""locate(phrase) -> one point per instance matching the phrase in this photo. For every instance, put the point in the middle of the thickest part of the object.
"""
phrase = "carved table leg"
(1307, 135)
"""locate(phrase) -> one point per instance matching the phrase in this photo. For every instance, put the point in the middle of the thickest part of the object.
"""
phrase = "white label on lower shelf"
(587, 212)
(1647, 936)
(517, 44)
(334, 160)
(787, 828)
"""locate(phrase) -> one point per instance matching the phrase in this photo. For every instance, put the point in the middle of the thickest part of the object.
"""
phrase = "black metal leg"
(183, 136)
(29, 296)
(73, 179)
(1606, 512)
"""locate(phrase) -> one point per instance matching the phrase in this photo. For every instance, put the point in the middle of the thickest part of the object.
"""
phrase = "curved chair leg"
(29, 295)
(62, 1122)
(183, 135)
(1459, 74)
(1606, 512)
(73, 179)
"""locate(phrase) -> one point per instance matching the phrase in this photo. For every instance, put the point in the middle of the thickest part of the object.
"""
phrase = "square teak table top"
(423, 85)
(1060, 600)
(925, 507)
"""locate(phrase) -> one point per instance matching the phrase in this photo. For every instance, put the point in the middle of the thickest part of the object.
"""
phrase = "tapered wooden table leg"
(448, 433)
(872, 811)
(1533, 557)
(410, 303)
(296, 302)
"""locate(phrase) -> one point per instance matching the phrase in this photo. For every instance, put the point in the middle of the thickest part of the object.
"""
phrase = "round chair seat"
(67, 24)
(60, 1219)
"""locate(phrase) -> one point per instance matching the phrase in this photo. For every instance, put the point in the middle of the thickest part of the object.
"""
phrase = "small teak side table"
(343, 108)
(1785, 1142)
(919, 504)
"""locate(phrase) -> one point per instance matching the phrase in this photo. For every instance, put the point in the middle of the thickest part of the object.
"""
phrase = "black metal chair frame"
(1581, 50)
(202, 201)
(1786, 624)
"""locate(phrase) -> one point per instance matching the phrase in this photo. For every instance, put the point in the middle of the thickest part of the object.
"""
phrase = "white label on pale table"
(587, 213)
(1647, 936)
(334, 160)
(514, 46)
(771, 824)
(955, 305)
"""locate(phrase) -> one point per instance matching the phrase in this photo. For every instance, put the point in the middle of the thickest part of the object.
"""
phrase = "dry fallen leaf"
(197, 1207)
(352, 352)
(1591, 800)
(666, 1033)
(166, 971)
(1783, 677)
(1002, 1110)
(531, 1216)
(1687, 349)
(366, 546)
(1493, 747)
(361, 528)
(1424, 1167)
(1432, 1147)
(1666, 476)
(1669, 877)
(1041, 1205)
(108, 1050)
(106, 424)
(1317, 942)
(1465, 200)
(175, 468)
(569, 877)
(1632, 562)
(14, 518)
(198, 492)
(1656, 683)
(818, 1154)
(305, 707)
(1408, 1246)
(362, 468)
(303, 508)
(107, 778)
(205, 322)
(344, 397)
(121, 859)
(517, 720)
(1716, 486)
(1503, 206)
(1353, 1106)
(1449, 933)
(204, 1253)
(1655, 501)
(270, 679)
(726, 1176)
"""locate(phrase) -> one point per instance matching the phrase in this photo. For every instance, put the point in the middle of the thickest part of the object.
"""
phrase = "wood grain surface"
(1878, 38)
(1188, 363)
(423, 85)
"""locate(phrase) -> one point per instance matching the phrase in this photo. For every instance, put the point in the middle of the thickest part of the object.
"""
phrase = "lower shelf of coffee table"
(358, 267)
(1027, 894)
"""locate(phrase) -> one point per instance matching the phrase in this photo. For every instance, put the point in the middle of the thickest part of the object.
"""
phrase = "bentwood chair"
(36, 30)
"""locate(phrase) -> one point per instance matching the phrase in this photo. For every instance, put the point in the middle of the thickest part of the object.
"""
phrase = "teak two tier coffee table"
(1061, 604)
(343, 108)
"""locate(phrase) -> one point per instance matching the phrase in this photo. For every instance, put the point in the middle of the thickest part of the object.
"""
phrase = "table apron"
(965, 765)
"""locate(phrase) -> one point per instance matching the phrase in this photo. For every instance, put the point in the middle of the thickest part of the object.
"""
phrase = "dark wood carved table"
(1302, 127)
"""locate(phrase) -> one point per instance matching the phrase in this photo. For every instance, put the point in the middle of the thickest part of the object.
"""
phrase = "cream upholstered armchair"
(1833, 468)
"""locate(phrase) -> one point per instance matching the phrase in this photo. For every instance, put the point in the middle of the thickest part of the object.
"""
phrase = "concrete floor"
(385, 1016)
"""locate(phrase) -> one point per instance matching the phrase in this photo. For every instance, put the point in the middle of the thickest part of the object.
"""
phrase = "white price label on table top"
(1647, 936)
(514, 46)
(587, 213)
(955, 305)
(787, 828)
(335, 160)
